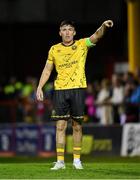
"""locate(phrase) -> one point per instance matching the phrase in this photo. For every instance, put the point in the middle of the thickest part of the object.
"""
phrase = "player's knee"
(61, 127)
(77, 128)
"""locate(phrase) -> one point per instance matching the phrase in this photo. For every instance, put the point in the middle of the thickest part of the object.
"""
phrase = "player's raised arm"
(94, 38)
(43, 79)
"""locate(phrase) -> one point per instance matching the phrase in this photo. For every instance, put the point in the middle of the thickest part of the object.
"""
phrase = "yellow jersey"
(69, 62)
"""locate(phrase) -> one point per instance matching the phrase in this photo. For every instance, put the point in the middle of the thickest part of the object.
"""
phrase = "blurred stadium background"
(27, 30)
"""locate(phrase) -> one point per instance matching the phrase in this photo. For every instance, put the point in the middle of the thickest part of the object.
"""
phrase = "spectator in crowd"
(103, 110)
(89, 105)
(137, 73)
(9, 88)
(127, 76)
(28, 97)
(116, 98)
(132, 101)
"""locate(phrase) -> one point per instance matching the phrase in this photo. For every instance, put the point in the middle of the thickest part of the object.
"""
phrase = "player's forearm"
(101, 31)
(43, 79)
(98, 34)
(45, 75)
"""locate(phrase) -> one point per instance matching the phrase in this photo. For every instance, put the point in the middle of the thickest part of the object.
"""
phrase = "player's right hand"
(39, 94)
(108, 23)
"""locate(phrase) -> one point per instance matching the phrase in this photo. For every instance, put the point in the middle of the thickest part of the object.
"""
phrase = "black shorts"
(68, 104)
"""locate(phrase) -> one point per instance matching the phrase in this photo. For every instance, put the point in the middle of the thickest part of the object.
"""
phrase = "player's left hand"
(108, 23)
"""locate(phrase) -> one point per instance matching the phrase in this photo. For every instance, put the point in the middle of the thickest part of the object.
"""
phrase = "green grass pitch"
(94, 168)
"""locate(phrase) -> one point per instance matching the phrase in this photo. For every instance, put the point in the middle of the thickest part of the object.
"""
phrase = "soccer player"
(69, 59)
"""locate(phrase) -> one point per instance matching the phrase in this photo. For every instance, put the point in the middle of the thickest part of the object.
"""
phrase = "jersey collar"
(68, 45)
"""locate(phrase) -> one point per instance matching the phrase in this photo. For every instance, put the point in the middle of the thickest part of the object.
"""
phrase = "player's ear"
(74, 33)
(60, 33)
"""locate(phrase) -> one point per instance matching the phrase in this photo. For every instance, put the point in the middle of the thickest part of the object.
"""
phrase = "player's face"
(67, 33)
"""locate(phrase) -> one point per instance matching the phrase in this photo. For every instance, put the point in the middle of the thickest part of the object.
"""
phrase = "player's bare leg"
(77, 144)
(61, 126)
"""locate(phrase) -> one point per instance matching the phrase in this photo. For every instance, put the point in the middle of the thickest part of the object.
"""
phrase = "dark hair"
(67, 22)
(133, 82)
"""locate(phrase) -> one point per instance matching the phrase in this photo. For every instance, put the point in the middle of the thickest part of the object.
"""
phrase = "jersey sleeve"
(50, 58)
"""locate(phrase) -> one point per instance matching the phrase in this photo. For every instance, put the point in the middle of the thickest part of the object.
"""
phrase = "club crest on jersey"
(74, 47)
